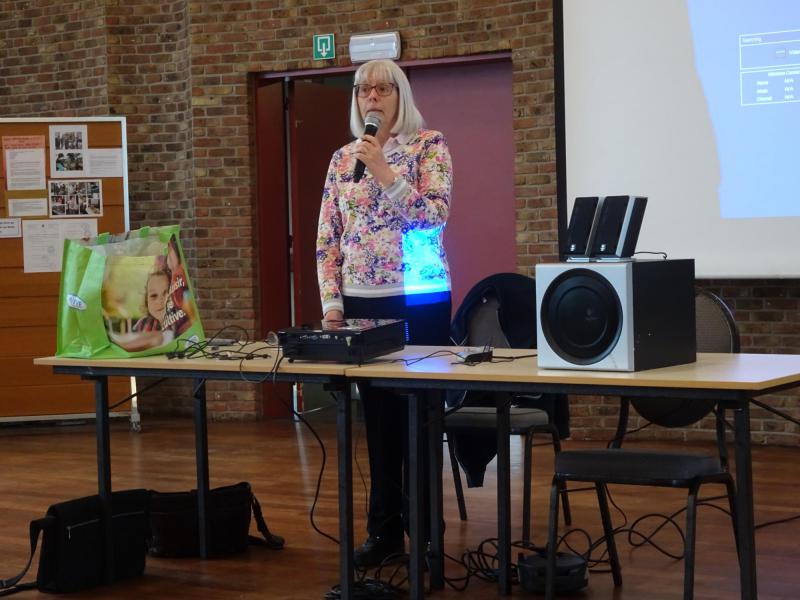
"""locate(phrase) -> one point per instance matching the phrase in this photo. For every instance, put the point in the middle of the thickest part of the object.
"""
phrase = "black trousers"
(386, 413)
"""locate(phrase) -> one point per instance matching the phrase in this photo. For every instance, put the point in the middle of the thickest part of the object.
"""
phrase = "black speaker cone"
(581, 316)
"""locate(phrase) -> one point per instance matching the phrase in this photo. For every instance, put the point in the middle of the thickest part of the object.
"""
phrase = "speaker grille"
(581, 316)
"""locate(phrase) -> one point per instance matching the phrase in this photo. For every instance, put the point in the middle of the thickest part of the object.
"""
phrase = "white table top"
(255, 366)
(746, 372)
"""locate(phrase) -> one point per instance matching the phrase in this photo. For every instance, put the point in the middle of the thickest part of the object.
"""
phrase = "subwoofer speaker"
(615, 316)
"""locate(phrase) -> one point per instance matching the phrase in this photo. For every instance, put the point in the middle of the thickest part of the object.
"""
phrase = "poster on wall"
(24, 162)
(43, 242)
(68, 151)
(27, 207)
(105, 162)
(76, 198)
(10, 228)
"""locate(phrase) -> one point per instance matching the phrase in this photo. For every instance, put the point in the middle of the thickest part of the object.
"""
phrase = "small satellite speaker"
(617, 227)
(581, 225)
(631, 226)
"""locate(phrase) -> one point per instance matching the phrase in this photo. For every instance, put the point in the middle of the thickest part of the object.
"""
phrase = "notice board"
(60, 177)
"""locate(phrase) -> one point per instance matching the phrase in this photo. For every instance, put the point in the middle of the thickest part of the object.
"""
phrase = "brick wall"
(180, 71)
(149, 82)
(52, 58)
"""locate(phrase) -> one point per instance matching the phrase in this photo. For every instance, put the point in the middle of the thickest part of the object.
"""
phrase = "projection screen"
(696, 105)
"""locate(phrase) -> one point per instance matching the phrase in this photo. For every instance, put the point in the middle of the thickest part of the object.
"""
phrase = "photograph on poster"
(68, 150)
(76, 198)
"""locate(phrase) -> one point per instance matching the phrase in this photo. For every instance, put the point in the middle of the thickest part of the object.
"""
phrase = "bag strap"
(12, 585)
(270, 540)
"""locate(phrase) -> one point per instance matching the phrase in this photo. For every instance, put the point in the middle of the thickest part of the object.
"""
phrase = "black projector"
(348, 341)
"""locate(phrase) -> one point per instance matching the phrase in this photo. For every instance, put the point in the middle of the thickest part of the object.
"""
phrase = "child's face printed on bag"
(157, 291)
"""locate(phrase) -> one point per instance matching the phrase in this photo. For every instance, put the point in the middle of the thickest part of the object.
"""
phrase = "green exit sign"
(324, 47)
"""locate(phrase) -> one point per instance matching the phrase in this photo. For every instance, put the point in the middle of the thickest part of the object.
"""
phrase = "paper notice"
(40, 250)
(43, 241)
(10, 228)
(27, 207)
(25, 168)
(105, 162)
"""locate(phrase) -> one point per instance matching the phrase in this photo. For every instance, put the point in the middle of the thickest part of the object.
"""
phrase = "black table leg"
(104, 469)
(503, 494)
(415, 570)
(435, 418)
(344, 438)
(744, 502)
(201, 457)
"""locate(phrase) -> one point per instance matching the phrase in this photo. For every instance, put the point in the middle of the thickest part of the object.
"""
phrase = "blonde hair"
(409, 118)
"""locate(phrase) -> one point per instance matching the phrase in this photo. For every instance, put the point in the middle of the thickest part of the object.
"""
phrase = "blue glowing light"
(424, 262)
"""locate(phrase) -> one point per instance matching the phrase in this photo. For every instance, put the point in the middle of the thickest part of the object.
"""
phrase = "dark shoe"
(375, 550)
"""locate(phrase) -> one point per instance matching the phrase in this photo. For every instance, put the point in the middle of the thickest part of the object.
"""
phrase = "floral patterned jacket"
(376, 242)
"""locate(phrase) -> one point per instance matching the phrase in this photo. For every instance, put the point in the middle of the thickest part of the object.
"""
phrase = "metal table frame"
(423, 389)
(100, 375)
(736, 401)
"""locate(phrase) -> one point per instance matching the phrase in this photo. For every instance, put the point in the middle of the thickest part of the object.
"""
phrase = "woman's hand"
(370, 152)
(334, 315)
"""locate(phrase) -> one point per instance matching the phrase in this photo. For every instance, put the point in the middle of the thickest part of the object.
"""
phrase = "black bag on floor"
(174, 522)
(72, 557)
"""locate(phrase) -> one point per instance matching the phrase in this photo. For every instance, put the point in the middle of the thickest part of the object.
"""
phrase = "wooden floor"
(281, 460)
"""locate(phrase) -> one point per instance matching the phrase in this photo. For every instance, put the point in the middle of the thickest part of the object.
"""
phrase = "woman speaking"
(380, 255)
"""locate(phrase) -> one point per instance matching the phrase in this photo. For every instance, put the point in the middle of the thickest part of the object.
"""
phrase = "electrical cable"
(414, 360)
(439, 353)
(136, 393)
(777, 522)
(505, 359)
(366, 589)
(479, 563)
(313, 431)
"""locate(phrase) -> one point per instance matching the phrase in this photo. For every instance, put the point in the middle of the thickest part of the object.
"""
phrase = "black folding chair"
(716, 332)
(476, 413)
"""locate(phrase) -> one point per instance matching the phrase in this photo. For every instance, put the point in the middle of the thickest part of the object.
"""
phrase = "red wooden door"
(319, 117)
(273, 229)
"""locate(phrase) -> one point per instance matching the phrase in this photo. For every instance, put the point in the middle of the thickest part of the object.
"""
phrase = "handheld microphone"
(371, 125)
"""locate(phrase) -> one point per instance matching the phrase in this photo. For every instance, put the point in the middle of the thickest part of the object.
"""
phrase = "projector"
(348, 341)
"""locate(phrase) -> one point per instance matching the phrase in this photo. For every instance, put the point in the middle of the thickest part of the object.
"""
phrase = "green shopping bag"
(126, 295)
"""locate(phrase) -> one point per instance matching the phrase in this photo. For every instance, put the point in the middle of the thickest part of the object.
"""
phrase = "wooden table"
(730, 379)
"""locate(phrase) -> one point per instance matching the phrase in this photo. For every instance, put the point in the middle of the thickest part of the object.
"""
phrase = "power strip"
(473, 356)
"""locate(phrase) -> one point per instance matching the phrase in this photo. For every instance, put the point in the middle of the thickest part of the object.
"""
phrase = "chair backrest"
(505, 305)
(500, 311)
(716, 327)
(483, 324)
(716, 332)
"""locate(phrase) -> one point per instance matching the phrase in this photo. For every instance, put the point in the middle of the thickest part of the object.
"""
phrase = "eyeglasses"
(363, 90)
